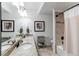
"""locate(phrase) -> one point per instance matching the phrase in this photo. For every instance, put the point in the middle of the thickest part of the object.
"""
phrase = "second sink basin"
(26, 46)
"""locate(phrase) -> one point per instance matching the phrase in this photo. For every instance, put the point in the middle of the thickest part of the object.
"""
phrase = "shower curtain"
(71, 42)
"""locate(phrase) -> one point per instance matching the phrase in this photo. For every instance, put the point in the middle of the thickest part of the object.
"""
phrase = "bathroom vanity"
(26, 47)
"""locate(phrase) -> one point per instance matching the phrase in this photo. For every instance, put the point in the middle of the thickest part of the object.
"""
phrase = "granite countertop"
(22, 50)
(4, 47)
(26, 50)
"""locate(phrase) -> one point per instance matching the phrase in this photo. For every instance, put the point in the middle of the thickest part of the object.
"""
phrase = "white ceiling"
(34, 8)
(31, 8)
(58, 6)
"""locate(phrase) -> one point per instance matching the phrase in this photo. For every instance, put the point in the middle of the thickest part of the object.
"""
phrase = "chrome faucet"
(13, 41)
(19, 43)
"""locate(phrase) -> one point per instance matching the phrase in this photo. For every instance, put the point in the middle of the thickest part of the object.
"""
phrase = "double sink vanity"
(20, 46)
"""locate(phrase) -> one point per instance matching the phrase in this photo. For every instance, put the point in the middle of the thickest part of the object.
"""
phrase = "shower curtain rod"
(67, 10)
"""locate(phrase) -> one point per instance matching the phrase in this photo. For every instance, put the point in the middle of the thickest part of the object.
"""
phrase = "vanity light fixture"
(22, 13)
(21, 9)
(18, 4)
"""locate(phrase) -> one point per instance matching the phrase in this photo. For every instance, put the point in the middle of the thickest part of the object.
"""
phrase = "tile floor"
(46, 51)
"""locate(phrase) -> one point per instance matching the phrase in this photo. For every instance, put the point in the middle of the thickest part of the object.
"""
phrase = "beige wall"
(59, 28)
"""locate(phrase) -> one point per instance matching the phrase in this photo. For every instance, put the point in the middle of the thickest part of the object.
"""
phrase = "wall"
(59, 28)
(0, 29)
(48, 27)
(29, 21)
(7, 16)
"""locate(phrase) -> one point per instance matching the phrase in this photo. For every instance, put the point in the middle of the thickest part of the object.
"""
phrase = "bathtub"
(62, 52)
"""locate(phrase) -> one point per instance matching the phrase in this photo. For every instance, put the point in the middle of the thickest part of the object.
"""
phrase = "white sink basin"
(26, 49)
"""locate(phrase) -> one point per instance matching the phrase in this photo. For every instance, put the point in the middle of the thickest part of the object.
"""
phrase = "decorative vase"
(27, 30)
(21, 30)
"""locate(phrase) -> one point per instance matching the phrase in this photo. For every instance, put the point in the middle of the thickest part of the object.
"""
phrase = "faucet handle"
(20, 41)
(9, 41)
(13, 41)
(62, 38)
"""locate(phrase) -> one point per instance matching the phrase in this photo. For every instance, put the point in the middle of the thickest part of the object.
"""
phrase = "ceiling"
(35, 8)
(31, 8)
(58, 6)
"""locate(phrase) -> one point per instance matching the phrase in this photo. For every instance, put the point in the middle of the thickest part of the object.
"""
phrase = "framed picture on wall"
(7, 25)
(39, 26)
